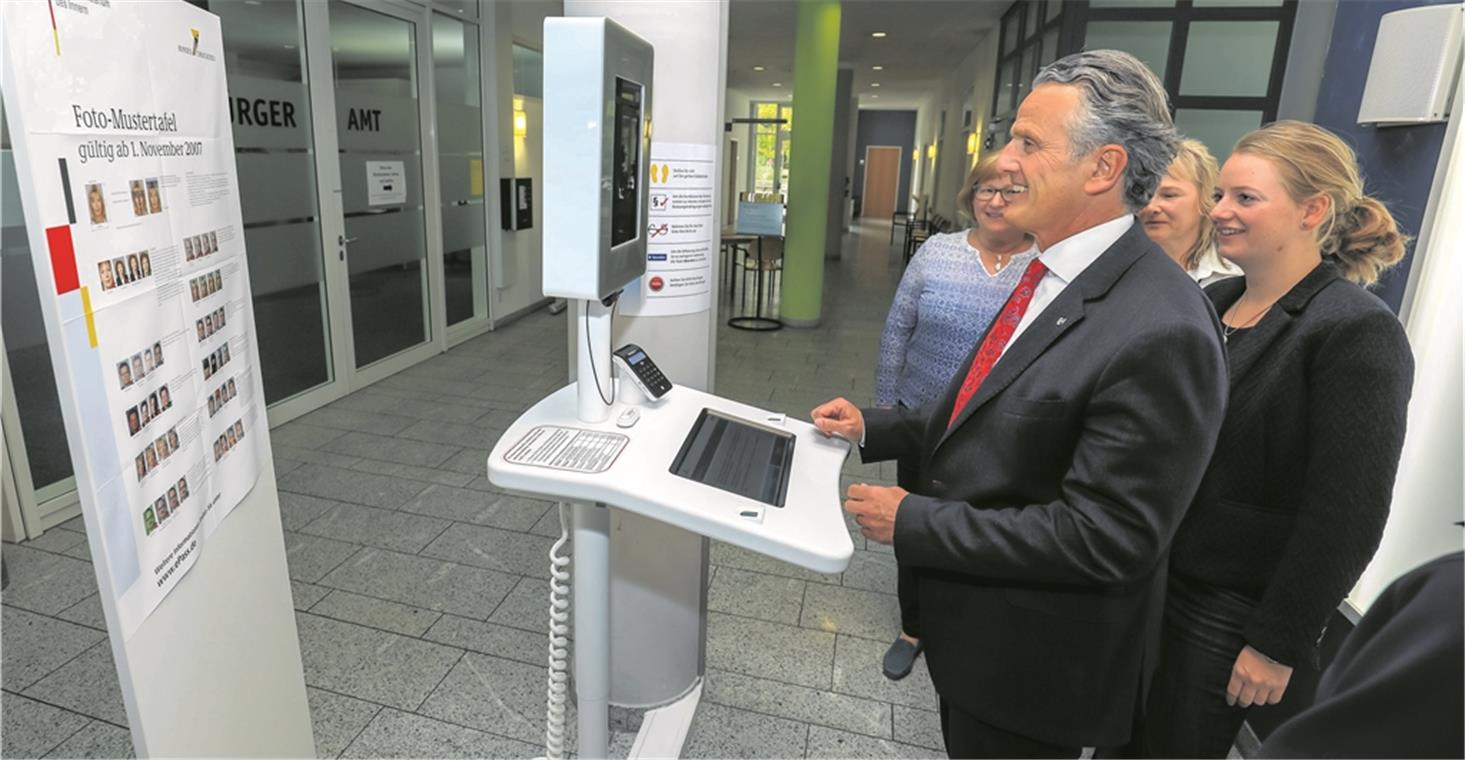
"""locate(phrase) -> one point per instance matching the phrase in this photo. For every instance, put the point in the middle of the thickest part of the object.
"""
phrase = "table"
(756, 321)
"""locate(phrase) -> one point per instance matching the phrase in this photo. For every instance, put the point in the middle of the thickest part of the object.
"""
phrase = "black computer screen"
(626, 172)
(737, 456)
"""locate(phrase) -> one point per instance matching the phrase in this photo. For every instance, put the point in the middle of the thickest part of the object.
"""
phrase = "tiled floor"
(420, 589)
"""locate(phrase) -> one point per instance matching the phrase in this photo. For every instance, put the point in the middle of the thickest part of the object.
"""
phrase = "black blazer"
(1395, 688)
(1294, 503)
(1039, 529)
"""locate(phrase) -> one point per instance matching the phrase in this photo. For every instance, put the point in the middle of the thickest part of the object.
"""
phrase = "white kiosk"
(714, 466)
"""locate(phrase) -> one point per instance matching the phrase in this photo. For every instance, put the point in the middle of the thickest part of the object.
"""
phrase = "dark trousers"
(908, 476)
(1187, 714)
(966, 736)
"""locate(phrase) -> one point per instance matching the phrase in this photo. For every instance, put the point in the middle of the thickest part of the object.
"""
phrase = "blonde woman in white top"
(1178, 217)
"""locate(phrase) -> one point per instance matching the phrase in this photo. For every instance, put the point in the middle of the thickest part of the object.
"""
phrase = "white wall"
(735, 106)
(969, 85)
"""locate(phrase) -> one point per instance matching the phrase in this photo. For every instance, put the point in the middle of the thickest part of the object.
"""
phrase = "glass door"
(376, 59)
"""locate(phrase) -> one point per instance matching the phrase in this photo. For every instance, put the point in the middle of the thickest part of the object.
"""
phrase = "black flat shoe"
(899, 659)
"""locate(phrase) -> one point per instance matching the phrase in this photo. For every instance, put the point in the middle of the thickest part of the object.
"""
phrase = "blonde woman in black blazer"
(1294, 502)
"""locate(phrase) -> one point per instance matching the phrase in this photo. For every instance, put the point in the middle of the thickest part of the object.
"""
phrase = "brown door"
(882, 181)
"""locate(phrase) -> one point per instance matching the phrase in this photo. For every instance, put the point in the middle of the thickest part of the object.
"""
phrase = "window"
(772, 148)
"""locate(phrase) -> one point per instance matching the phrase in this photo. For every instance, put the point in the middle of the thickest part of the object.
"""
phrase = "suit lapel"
(1243, 358)
(1058, 318)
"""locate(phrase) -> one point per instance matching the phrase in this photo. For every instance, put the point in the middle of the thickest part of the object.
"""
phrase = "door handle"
(342, 241)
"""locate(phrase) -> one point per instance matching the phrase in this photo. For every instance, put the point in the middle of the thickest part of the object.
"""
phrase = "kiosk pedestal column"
(592, 628)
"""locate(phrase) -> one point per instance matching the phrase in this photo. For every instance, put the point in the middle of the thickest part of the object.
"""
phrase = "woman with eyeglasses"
(951, 291)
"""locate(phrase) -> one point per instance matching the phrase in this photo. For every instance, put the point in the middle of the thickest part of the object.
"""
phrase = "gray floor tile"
(382, 528)
(526, 607)
(367, 488)
(491, 638)
(492, 694)
(76, 524)
(98, 739)
(769, 650)
(468, 461)
(285, 464)
(390, 616)
(422, 582)
(311, 557)
(369, 664)
(815, 706)
(832, 743)
(498, 510)
(87, 612)
(857, 672)
(56, 541)
(397, 734)
(306, 595)
(313, 456)
(391, 448)
(353, 420)
(502, 550)
(337, 719)
(31, 729)
(766, 597)
(299, 510)
(300, 435)
(919, 727)
(727, 555)
(35, 645)
(454, 434)
(548, 525)
(838, 609)
(719, 731)
(87, 684)
(413, 472)
(44, 582)
(871, 571)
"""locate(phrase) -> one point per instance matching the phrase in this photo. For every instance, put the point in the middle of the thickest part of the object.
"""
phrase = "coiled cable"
(559, 642)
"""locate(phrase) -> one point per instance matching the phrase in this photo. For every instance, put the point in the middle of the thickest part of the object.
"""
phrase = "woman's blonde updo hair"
(1194, 164)
(984, 171)
(1359, 234)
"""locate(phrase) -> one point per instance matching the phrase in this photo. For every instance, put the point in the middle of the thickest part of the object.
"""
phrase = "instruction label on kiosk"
(566, 448)
(680, 232)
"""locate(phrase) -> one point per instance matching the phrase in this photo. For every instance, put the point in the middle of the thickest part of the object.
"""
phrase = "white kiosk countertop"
(809, 530)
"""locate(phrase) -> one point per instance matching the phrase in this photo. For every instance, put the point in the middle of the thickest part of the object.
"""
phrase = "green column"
(816, 75)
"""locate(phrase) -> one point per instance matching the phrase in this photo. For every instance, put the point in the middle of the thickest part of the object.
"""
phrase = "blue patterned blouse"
(945, 301)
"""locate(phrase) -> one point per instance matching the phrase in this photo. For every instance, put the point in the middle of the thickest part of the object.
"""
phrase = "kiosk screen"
(737, 456)
(625, 198)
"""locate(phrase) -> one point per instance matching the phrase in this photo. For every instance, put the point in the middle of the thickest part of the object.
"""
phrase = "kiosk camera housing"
(597, 122)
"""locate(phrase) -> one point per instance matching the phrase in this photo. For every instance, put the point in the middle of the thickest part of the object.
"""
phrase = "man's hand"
(840, 417)
(874, 508)
(1256, 680)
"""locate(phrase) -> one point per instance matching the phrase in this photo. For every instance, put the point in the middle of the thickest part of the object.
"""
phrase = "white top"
(809, 530)
(1066, 260)
(1213, 268)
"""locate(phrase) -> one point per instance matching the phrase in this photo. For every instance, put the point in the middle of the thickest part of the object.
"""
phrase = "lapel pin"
(1061, 320)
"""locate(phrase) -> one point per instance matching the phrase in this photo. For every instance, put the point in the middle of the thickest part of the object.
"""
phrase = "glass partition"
(456, 75)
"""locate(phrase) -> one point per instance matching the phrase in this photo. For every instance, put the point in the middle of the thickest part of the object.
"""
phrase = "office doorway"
(882, 181)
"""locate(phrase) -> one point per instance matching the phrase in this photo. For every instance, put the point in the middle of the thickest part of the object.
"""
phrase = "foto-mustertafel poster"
(125, 163)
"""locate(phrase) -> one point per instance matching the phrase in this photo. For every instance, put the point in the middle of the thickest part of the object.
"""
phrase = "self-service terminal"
(622, 435)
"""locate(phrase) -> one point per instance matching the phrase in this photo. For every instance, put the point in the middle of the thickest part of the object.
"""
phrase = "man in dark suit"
(1061, 459)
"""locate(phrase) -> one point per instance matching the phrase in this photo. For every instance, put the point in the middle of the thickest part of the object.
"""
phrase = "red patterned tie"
(997, 337)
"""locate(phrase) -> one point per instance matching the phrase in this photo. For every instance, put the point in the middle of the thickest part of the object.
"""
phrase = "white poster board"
(681, 233)
(386, 183)
(125, 163)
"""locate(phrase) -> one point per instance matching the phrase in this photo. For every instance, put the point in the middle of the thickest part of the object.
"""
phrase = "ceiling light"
(877, 68)
(757, 68)
(874, 96)
(877, 35)
(778, 84)
(874, 84)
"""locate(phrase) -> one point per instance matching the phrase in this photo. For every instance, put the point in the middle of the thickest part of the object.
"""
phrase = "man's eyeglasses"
(987, 192)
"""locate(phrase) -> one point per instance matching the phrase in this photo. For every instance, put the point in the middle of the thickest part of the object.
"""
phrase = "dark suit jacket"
(1295, 500)
(1038, 532)
(1395, 689)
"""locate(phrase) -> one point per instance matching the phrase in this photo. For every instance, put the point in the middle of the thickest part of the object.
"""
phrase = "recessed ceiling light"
(874, 96)
(874, 84)
(757, 68)
(877, 35)
(877, 68)
(778, 84)
(289, 47)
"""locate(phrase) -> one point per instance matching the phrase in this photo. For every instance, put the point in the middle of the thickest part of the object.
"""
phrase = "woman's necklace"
(1227, 330)
(1002, 259)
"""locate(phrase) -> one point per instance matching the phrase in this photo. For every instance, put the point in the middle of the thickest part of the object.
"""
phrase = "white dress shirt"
(1213, 268)
(1066, 260)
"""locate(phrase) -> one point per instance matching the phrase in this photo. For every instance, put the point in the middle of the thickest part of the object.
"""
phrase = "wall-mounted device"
(642, 371)
(516, 203)
(1416, 60)
(597, 121)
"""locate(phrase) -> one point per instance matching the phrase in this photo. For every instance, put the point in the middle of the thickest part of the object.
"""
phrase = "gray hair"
(1124, 103)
